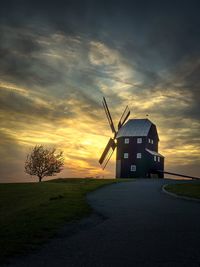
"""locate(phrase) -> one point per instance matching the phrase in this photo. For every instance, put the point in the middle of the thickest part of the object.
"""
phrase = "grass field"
(186, 189)
(30, 213)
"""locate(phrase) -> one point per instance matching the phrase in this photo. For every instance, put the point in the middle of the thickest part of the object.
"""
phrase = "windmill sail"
(107, 153)
(110, 121)
(124, 117)
(111, 145)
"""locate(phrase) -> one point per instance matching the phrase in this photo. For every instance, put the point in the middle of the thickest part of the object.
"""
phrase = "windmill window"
(152, 141)
(139, 140)
(126, 141)
(139, 155)
(125, 155)
(149, 140)
(158, 159)
(154, 158)
(133, 168)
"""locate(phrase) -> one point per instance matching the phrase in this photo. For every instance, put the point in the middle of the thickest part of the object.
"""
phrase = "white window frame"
(126, 141)
(139, 140)
(149, 140)
(133, 168)
(158, 159)
(154, 158)
(152, 141)
(125, 155)
(139, 155)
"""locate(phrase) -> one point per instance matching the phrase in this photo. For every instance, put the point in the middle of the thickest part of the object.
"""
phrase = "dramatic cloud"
(59, 59)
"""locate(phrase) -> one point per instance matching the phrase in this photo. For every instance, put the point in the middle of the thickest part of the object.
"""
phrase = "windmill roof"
(135, 127)
(154, 153)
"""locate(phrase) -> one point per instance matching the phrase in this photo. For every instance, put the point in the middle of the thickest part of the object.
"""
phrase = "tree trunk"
(40, 178)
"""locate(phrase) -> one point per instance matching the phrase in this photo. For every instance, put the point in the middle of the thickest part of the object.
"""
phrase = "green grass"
(30, 213)
(186, 189)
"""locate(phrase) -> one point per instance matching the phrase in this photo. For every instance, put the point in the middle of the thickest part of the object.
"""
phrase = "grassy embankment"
(186, 189)
(30, 213)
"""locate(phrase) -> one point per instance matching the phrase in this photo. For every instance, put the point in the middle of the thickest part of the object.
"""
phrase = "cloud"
(101, 55)
(58, 62)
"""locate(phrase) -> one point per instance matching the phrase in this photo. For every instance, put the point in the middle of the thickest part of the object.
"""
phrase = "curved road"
(139, 225)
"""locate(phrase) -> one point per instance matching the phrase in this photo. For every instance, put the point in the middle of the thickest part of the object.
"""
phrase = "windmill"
(112, 143)
(136, 141)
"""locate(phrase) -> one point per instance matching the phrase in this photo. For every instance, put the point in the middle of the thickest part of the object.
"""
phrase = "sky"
(59, 58)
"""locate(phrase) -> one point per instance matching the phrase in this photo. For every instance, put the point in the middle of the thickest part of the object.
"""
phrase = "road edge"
(178, 196)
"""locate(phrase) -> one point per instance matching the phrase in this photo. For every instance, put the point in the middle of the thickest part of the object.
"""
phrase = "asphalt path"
(134, 224)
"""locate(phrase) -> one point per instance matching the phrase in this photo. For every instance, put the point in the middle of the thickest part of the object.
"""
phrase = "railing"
(180, 175)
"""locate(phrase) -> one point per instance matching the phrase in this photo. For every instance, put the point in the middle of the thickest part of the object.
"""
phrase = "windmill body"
(137, 150)
(137, 147)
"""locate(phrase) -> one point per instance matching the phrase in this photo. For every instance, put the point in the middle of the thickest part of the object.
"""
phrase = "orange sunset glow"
(53, 80)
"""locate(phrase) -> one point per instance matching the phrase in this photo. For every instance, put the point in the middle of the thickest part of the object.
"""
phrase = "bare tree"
(44, 162)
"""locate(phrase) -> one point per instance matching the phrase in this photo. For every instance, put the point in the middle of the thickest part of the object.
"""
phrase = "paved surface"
(139, 225)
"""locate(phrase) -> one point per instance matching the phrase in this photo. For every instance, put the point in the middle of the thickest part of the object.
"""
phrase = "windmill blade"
(124, 117)
(110, 121)
(107, 153)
